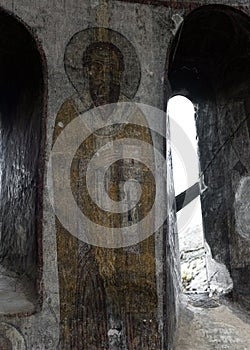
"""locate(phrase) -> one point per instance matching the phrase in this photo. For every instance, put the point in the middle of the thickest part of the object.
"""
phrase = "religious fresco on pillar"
(108, 295)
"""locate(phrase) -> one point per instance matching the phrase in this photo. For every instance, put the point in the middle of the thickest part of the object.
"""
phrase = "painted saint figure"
(104, 288)
(103, 67)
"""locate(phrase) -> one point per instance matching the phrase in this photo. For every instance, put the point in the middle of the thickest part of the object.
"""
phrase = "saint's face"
(104, 74)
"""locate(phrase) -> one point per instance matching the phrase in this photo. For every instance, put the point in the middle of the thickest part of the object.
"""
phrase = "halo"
(81, 40)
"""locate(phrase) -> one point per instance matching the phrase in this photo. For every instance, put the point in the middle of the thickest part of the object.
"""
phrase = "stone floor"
(16, 294)
(208, 323)
(207, 318)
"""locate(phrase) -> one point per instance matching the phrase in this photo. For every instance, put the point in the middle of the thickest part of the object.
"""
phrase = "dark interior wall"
(210, 64)
(21, 110)
(172, 286)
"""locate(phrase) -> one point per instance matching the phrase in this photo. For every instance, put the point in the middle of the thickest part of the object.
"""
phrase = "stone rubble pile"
(193, 260)
(199, 271)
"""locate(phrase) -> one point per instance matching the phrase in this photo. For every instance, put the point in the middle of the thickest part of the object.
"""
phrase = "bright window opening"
(186, 173)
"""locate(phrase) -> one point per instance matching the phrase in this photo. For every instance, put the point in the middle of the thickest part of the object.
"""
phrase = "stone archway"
(209, 62)
(22, 135)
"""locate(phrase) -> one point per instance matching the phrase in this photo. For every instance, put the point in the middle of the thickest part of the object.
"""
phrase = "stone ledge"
(16, 294)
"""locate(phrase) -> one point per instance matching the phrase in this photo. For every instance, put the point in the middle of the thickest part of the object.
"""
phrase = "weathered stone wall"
(172, 266)
(223, 131)
(205, 66)
(150, 29)
(224, 203)
(21, 91)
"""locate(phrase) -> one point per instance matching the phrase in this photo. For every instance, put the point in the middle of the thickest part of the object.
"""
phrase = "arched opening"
(186, 174)
(210, 64)
(22, 130)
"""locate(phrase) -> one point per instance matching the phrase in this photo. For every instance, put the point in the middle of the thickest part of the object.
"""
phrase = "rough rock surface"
(211, 325)
(193, 259)
(199, 271)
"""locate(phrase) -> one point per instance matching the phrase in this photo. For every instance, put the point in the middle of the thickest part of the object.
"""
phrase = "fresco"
(108, 296)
